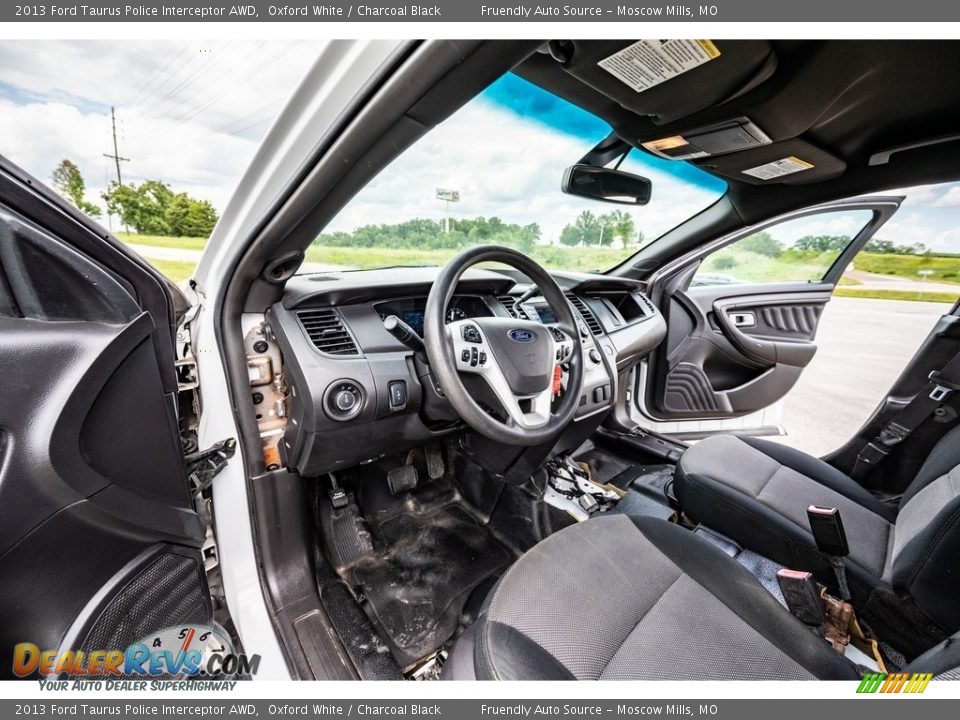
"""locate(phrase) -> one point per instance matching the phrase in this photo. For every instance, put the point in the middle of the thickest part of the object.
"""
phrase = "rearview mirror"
(598, 183)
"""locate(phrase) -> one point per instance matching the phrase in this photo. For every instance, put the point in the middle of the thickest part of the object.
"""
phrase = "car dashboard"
(356, 393)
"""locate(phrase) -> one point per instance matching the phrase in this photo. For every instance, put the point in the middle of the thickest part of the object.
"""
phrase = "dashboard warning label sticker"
(647, 63)
(778, 168)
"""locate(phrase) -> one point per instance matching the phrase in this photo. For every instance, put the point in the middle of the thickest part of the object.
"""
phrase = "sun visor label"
(647, 63)
(778, 168)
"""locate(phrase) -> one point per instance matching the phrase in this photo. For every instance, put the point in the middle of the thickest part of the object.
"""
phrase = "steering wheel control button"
(465, 355)
(474, 357)
(594, 356)
(483, 358)
(470, 334)
(398, 395)
(343, 400)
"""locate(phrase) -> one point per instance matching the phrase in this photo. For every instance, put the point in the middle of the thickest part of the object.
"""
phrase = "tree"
(822, 243)
(68, 181)
(887, 247)
(585, 230)
(152, 208)
(187, 217)
(762, 243)
(617, 223)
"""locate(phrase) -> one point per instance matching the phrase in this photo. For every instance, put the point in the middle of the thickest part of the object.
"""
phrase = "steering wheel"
(516, 357)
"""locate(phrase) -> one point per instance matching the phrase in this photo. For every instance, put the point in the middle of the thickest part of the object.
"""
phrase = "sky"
(505, 151)
(191, 113)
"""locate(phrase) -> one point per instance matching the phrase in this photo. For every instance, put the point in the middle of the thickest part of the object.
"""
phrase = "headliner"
(836, 102)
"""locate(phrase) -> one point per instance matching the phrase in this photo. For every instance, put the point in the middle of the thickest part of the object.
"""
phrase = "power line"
(247, 116)
(180, 84)
(151, 92)
(254, 71)
(211, 81)
(129, 100)
(248, 127)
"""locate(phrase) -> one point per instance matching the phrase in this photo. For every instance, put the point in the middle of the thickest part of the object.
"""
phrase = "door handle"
(765, 350)
(743, 319)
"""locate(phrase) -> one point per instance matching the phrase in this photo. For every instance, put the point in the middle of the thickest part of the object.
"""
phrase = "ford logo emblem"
(521, 335)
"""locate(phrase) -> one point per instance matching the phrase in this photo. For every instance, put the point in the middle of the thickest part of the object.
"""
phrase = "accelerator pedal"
(345, 531)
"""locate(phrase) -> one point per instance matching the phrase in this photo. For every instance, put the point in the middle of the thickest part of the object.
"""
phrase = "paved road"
(154, 252)
(873, 281)
(863, 346)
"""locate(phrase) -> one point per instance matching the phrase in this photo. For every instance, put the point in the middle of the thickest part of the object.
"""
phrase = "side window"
(798, 250)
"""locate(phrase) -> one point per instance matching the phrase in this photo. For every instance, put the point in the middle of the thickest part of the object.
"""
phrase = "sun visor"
(791, 162)
(670, 79)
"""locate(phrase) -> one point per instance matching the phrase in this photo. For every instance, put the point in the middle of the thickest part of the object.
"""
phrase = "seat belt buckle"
(800, 592)
(944, 388)
(828, 532)
(831, 540)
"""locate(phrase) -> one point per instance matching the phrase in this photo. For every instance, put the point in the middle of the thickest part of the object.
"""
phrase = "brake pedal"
(402, 479)
(434, 458)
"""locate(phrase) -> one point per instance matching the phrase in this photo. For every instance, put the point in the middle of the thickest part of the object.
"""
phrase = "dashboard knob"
(594, 356)
(345, 401)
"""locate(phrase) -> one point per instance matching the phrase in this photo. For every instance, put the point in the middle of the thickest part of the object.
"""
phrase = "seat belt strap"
(939, 389)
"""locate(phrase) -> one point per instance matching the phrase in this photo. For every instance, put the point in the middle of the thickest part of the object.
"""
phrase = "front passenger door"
(742, 316)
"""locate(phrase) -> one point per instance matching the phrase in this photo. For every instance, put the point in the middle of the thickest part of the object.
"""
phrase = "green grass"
(176, 270)
(939, 297)
(744, 265)
(945, 268)
(181, 243)
(844, 280)
(751, 267)
(560, 258)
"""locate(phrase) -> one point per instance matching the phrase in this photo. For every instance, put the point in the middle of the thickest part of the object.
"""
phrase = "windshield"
(491, 174)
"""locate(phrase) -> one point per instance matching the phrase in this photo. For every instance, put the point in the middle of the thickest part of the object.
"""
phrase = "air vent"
(509, 303)
(327, 332)
(586, 313)
(645, 301)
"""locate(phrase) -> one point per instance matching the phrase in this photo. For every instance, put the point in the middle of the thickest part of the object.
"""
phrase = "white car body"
(339, 73)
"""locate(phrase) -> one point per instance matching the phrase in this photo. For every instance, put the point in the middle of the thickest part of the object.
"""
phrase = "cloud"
(950, 199)
(507, 166)
(848, 223)
(190, 113)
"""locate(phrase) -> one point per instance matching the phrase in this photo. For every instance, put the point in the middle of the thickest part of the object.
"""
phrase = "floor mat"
(418, 584)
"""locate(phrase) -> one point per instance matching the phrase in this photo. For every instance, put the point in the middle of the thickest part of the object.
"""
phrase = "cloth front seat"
(624, 598)
(757, 492)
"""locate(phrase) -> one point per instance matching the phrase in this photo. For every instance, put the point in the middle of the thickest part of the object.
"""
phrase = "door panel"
(732, 353)
(736, 347)
(99, 540)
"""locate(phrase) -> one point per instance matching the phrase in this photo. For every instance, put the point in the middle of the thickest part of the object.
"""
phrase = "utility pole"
(116, 154)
